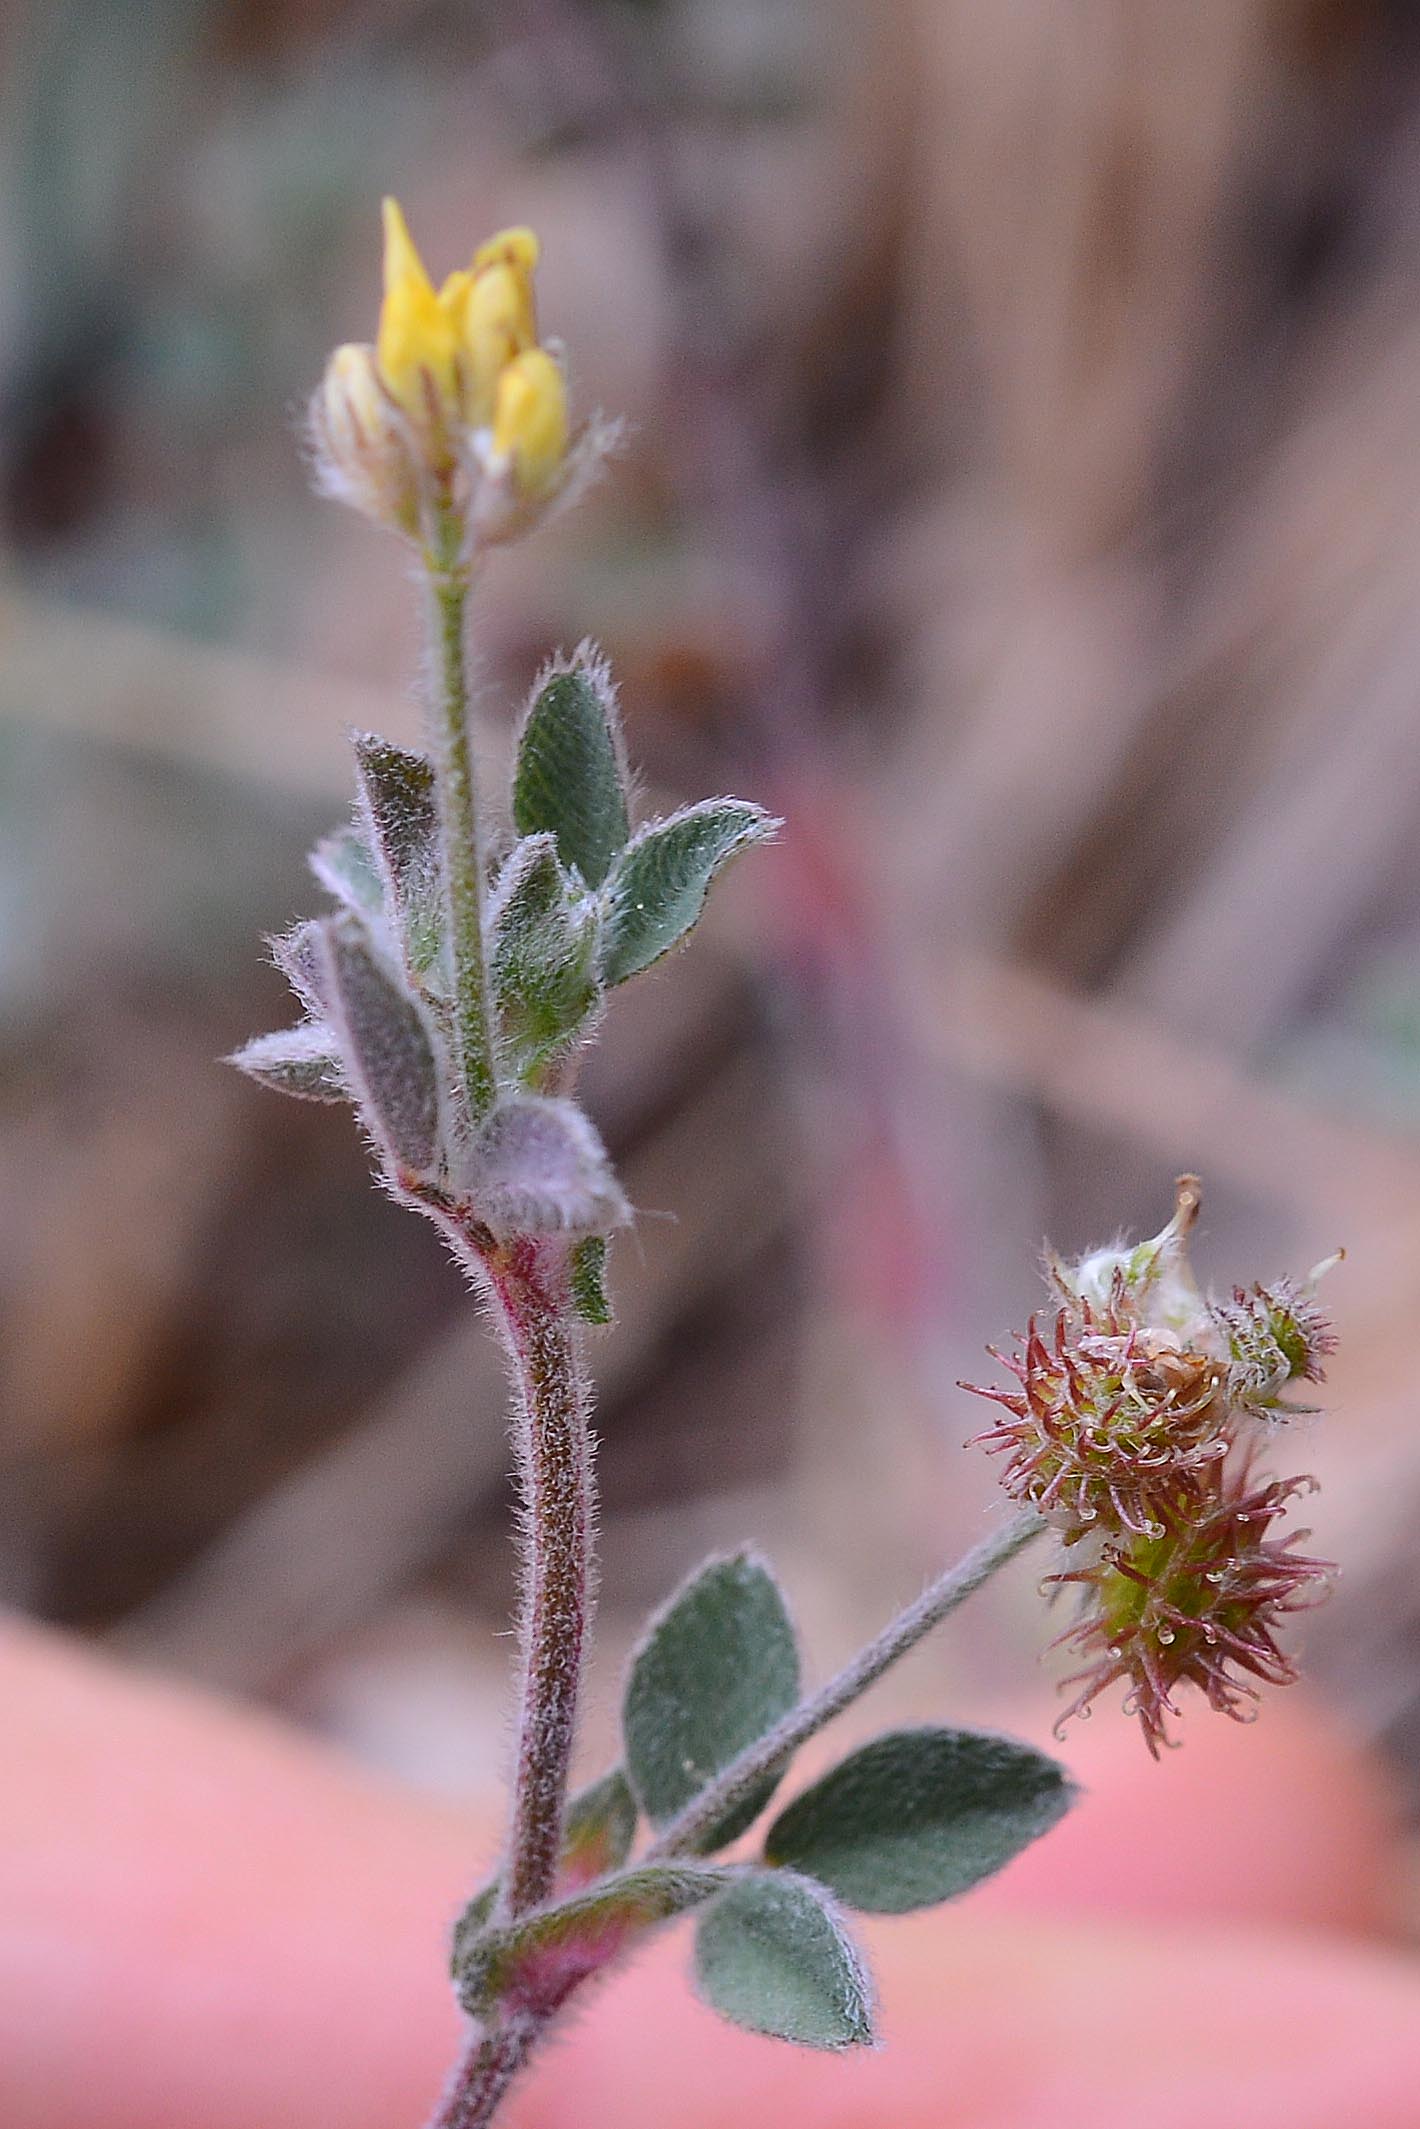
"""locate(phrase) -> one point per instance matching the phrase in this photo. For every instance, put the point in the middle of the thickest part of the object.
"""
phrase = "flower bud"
(495, 325)
(455, 426)
(1274, 1335)
(517, 247)
(417, 348)
(530, 423)
(362, 441)
(1154, 1278)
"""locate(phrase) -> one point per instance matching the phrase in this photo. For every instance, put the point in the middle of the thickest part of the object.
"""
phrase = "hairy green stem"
(737, 1782)
(448, 580)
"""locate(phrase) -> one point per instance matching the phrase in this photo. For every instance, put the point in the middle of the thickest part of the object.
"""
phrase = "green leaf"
(398, 809)
(772, 1956)
(589, 1294)
(657, 890)
(538, 1167)
(342, 863)
(544, 958)
(717, 1669)
(529, 1966)
(472, 1921)
(385, 1047)
(300, 1061)
(297, 953)
(601, 1826)
(918, 1816)
(570, 779)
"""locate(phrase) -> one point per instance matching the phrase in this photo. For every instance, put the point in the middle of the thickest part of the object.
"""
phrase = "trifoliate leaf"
(718, 1667)
(918, 1816)
(657, 888)
(570, 777)
(300, 1060)
(771, 1955)
(544, 957)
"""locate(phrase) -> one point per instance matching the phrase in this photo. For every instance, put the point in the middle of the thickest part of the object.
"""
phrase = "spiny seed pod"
(1274, 1335)
(1111, 1421)
(1201, 1604)
(1129, 1428)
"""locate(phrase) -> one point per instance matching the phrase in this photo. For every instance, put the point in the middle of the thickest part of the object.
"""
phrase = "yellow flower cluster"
(467, 353)
(456, 374)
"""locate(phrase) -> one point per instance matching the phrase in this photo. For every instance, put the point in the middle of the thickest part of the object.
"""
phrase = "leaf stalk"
(742, 1777)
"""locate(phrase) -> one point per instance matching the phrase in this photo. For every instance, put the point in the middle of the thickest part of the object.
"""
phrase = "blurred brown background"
(1022, 495)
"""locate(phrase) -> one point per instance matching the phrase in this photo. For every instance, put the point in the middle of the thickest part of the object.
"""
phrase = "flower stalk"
(448, 577)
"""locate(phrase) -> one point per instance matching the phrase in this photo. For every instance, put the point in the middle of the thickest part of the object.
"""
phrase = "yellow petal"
(454, 294)
(511, 247)
(402, 260)
(417, 346)
(530, 420)
(495, 325)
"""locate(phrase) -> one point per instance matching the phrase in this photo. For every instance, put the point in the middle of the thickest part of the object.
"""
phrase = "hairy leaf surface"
(532, 1964)
(771, 1955)
(920, 1815)
(570, 779)
(540, 1168)
(302, 1061)
(544, 958)
(657, 889)
(385, 1046)
(398, 809)
(717, 1669)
